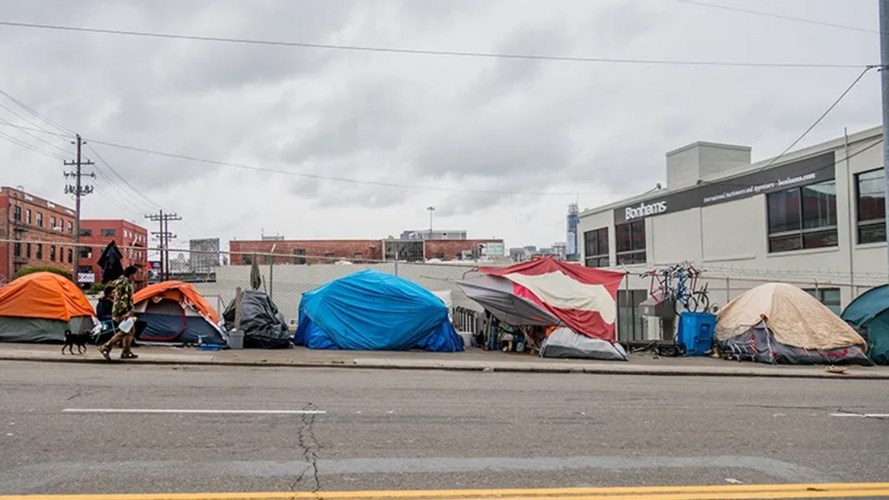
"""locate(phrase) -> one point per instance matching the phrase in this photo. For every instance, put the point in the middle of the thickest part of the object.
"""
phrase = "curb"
(756, 372)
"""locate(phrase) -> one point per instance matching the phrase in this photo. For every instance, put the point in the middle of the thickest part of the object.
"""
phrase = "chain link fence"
(286, 282)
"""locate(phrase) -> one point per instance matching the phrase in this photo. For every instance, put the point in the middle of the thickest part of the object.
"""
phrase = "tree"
(41, 269)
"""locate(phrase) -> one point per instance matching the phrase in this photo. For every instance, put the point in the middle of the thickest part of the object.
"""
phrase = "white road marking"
(861, 415)
(194, 411)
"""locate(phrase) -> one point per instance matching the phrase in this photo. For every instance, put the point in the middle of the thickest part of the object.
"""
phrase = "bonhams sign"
(799, 173)
(644, 210)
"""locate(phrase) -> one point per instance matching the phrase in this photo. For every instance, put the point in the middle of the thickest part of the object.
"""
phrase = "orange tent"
(44, 296)
(179, 292)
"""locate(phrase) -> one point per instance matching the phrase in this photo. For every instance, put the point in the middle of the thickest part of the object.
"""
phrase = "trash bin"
(695, 335)
(236, 340)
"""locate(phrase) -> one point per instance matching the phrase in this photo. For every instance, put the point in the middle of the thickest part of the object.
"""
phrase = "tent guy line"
(194, 411)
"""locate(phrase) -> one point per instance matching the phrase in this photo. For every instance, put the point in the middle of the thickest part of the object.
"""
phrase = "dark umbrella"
(111, 262)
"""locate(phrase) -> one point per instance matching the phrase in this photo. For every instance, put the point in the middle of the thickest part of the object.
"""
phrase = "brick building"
(95, 234)
(42, 233)
(328, 251)
(304, 251)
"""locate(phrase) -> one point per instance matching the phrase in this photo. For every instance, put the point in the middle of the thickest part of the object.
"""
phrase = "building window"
(248, 260)
(630, 323)
(595, 248)
(70, 227)
(803, 217)
(108, 233)
(40, 251)
(70, 256)
(39, 219)
(85, 253)
(52, 222)
(830, 297)
(52, 252)
(299, 256)
(871, 203)
(17, 214)
(27, 215)
(630, 242)
(28, 250)
(17, 249)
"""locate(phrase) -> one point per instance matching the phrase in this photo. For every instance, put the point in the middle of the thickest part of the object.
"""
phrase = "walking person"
(121, 310)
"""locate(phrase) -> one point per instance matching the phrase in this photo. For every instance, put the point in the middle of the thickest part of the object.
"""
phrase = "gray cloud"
(505, 125)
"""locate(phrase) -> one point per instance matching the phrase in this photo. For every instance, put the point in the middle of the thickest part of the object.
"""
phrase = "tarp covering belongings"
(262, 324)
(40, 307)
(565, 343)
(176, 313)
(870, 313)
(579, 297)
(370, 310)
(497, 295)
(780, 323)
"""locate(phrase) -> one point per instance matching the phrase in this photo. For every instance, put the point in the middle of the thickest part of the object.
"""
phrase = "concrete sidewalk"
(470, 360)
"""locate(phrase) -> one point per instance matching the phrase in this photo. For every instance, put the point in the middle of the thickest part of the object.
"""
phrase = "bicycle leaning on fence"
(679, 285)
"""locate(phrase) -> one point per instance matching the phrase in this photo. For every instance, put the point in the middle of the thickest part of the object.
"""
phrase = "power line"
(328, 177)
(55, 146)
(116, 173)
(823, 115)
(779, 16)
(30, 147)
(317, 176)
(427, 52)
(7, 123)
(828, 164)
(65, 129)
(37, 114)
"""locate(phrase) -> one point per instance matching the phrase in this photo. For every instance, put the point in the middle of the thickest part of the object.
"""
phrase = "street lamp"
(431, 214)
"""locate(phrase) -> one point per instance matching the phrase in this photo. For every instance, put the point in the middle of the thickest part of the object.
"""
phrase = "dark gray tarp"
(566, 343)
(41, 330)
(262, 324)
(496, 295)
(758, 344)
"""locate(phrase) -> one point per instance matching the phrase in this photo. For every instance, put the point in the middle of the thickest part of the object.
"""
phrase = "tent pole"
(239, 295)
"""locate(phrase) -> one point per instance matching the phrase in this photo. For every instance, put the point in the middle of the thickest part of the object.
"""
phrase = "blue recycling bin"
(695, 335)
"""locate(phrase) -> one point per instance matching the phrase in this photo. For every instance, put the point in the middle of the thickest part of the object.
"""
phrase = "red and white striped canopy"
(583, 298)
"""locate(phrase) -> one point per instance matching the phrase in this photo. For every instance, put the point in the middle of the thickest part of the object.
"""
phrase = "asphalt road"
(379, 429)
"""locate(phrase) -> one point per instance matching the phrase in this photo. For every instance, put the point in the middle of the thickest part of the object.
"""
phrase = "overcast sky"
(592, 132)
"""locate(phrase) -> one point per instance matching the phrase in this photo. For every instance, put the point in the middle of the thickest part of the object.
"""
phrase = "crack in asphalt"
(80, 392)
(310, 447)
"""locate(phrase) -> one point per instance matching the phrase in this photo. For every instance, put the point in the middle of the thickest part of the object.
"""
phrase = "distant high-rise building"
(204, 255)
(571, 250)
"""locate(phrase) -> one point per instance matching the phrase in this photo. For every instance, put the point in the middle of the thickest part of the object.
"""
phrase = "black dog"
(75, 339)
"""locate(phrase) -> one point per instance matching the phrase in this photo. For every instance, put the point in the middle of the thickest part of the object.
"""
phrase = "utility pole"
(164, 235)
(884, 76)
(79, 190)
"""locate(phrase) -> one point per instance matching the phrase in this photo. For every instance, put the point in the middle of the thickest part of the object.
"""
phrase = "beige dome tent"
(780, 323)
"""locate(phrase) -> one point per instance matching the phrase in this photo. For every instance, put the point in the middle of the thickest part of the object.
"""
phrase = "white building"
(814, 217)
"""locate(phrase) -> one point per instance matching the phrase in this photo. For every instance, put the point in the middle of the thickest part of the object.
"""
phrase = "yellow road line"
(736, 492)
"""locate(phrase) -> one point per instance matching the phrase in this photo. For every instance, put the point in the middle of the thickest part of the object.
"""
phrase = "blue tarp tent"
(370, 310)
(869, 313)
